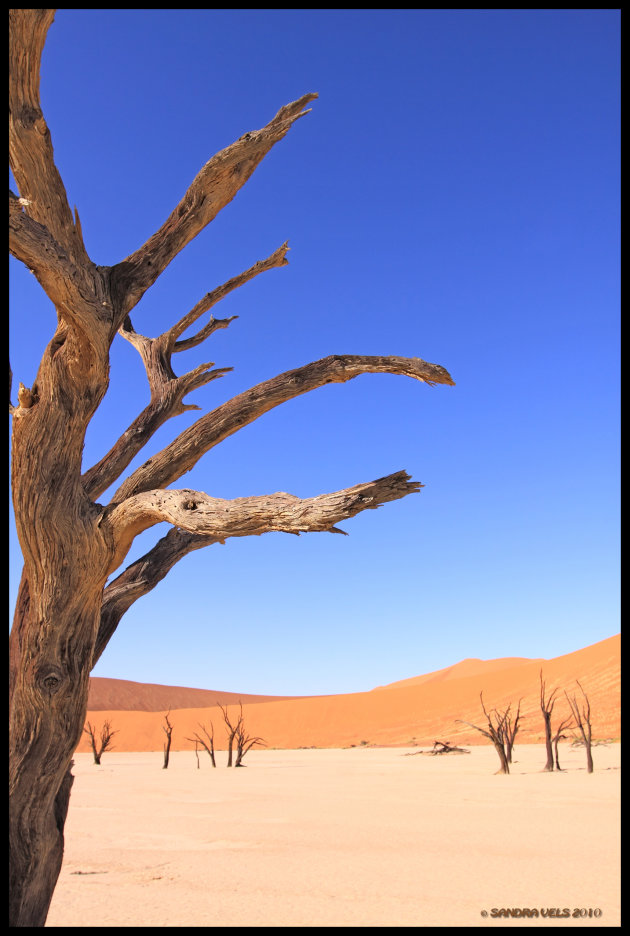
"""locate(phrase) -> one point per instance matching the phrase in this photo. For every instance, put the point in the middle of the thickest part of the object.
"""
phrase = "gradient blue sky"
(453, 195)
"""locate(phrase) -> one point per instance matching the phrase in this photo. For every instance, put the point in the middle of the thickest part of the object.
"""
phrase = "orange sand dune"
(115, 694)
(408, 713)
(469, 667)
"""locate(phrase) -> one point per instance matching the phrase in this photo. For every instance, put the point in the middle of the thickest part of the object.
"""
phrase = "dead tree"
(244, 742)
(231, 731)
(582, 717)
(546, 706)
(565, 725)
(168, 731)
(69, 604)
(98, 749)
(497, 732)
(511, 729)
(445, 747)
(238, 735)
(207, 743)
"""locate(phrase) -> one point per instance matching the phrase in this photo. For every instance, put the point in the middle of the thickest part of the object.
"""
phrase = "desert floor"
(354, 837)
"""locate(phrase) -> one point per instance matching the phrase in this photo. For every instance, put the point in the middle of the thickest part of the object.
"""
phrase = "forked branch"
(168, 390)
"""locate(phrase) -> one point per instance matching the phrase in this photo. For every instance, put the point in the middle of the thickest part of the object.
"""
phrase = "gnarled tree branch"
(66, 284)
(186, 450)
(211, 190)
(30, 146)
(168, 390)
(196, 512)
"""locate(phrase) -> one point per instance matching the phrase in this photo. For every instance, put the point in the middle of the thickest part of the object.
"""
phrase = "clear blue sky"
(454, 195)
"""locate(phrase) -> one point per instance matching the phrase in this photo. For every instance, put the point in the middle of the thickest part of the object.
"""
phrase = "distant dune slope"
(115, 694)
(414, 711)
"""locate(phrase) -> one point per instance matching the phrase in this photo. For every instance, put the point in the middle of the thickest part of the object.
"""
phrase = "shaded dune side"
(122, 694)
(407, 715)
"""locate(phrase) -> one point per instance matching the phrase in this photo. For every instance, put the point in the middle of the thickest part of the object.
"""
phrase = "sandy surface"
(355, 837)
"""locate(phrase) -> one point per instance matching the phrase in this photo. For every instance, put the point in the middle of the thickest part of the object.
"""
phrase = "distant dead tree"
(445, 747)
(583, 722)
(497, 731)
(244, 743)
(168, 731)
(511, 728)
(237, 734)
(231, 730)
(564, 725)
(546, 707)
(208, 744)
(105, 739)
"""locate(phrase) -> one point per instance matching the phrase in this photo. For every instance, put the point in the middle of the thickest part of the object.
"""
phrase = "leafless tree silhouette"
(168, 731)
(582, 718)
(98, 748)
(497, 731)
(511, 728)
(565, 725)
(207, 742)
(546, 706)
(237, 734)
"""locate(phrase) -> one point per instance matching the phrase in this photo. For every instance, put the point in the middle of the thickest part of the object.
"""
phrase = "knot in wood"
(189, 505)
(50, 679)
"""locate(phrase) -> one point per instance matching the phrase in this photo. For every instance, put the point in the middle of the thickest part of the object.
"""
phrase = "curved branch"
(141, 577)
(30, 146)
(211, 190)
(186, 450)
(196, 512)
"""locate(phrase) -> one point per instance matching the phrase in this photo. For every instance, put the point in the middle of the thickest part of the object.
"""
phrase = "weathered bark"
(66, 612)
(186, 450)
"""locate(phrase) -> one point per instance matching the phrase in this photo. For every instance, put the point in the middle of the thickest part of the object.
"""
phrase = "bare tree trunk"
(231, 730)
(583, 722)
(89, 730)
(168, 731)
(35, 859)
(565, 724)
(48, 704)
(511, 730)
(505, 766)
(546, 707)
